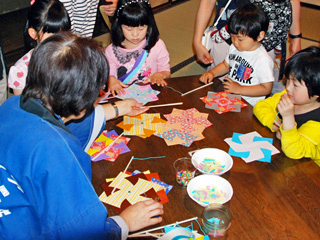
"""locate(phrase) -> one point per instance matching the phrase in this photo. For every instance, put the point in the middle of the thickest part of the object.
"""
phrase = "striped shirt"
(83, 15)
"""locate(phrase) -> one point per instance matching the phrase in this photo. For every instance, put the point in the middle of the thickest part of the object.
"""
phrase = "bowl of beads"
(212, 161)
(207, 189)
(184, 170)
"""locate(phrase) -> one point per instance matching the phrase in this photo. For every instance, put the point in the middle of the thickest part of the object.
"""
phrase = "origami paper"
(184, 127)
(223, 102)
(105, 97)
(130, 189)
(251, 147)
(142, 93)
(143, 125)
(173, 231)
(106, 138)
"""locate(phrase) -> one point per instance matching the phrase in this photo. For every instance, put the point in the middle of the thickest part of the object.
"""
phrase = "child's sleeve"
(163, 59)
(264, 69)
(113, 62)
(266, 110)
(17, 76)
(302, 142)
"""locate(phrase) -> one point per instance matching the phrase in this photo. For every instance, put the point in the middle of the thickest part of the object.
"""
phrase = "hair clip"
(32, 2)
(128, 3)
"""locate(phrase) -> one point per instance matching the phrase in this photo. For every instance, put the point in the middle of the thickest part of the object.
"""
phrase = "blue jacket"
(45, 187)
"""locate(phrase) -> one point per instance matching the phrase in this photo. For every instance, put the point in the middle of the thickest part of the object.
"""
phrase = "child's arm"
(266, 112)
(262, 89)
(219, 70)
(297, 143)
(115, 86)
(158, 78)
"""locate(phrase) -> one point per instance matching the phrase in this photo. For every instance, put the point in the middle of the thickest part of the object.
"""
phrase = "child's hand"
(206, 77)
(231, 86)
(116, 86)
(156, 78)
(276, 125)
(286, 109)
(285, 106)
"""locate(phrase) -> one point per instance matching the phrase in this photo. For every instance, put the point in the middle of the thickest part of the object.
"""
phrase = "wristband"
(116, 109)
(295, 36)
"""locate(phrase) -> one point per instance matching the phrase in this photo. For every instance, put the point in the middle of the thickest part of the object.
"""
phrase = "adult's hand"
(130, 107)
(142, 214)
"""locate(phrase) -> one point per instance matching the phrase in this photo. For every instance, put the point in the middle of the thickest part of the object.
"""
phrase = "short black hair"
(248, 20)
(134, 13)
(305, 66)
(47, 16)
(66, 73)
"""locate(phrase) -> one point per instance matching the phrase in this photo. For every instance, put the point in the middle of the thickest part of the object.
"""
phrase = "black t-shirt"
(305, 117)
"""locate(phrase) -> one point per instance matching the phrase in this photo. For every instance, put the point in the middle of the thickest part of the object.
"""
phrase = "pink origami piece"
(104, 147)
(142, 93)
(184, 127)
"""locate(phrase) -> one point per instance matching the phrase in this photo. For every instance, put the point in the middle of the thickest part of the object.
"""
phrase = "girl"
(136, 53)
(294, 114)
(44, 18)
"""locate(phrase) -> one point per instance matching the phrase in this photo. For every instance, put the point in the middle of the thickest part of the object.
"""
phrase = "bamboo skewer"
(197, 88)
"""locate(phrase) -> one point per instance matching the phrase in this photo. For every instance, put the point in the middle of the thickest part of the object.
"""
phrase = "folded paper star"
(184, 127)
(130, 189)
(102, 150)
(251, 147)
(143, 125)
(142, 93)
(223, 102)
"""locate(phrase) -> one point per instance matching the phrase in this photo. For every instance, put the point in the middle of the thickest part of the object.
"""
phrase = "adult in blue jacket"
(45, 176)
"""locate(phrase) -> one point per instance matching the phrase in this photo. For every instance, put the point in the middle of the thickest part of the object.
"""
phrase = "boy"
(45, 176)
(294, 114)
(249, 67)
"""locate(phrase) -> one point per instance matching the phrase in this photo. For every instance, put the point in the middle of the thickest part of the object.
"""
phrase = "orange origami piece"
(143, 125)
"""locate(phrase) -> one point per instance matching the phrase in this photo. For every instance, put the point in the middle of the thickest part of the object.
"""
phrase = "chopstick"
(197, 88)
(114, 188)
(107, 147)
(165, 105)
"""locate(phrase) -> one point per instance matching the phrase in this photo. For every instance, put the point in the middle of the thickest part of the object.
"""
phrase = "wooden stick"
(165, 105)
(158, 228)
(197, 88)
(114, 188)
(107, 147)
(224, 9)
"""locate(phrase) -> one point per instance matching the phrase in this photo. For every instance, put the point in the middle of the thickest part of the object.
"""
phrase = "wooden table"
(277, 200)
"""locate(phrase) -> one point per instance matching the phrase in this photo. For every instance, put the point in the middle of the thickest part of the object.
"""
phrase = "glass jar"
(216, 219)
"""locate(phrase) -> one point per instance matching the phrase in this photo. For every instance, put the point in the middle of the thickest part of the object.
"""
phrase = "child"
(65, 75)
(249, 67)
(44, 18)
(294, 114)
(136, 53)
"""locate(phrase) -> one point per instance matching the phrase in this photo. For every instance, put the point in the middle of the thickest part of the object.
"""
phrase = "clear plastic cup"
(184, 170)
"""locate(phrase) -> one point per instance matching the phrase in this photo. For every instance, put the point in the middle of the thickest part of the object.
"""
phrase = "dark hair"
(47, 16)
(248, 20)
(305, 66)
(134, 13)
(66, 73)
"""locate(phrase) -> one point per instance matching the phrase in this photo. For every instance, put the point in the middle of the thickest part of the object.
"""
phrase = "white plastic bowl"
(212, 161)
(207, 189)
